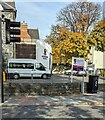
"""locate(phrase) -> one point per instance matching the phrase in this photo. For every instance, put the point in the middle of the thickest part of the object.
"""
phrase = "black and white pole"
(32, 75)
(71, 75)
(1, 77)
(82, 85)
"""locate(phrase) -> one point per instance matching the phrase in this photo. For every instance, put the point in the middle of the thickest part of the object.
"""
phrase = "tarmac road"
(53, 79)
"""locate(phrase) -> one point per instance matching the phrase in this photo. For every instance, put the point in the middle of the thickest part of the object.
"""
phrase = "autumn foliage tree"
(66, 44)
(97, 36)
(69, 38)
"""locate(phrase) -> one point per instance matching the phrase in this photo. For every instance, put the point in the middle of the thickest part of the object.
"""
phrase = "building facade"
(97, 59)
(8, 11)
(27, 47)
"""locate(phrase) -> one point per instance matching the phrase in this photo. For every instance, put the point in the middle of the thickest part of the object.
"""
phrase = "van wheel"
(16, 76)
(44, 76)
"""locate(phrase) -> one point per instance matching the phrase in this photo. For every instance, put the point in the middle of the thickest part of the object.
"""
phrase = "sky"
(40, 15)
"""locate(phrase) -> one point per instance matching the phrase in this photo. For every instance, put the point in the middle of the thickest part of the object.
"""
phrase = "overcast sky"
(40, 15)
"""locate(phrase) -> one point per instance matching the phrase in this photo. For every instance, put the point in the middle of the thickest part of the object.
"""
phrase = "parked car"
(81, 73)
(68, 72)
(90, 71)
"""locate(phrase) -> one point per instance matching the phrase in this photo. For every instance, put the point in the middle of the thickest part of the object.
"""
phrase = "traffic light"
(12, 29)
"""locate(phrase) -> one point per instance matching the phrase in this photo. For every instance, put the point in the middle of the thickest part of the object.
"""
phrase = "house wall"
(98, 59)
(27, 47)
(7, 49)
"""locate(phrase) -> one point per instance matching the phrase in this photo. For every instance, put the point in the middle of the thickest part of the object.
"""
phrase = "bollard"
(32, 77)
(10, 89)
(69, 77)
(4, 76)
(82, 85)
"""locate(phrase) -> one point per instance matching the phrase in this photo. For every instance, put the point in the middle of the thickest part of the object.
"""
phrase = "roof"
(34, 33)
(11, 4)
(8, 6)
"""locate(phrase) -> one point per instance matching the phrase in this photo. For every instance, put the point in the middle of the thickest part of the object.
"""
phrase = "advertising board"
(77, 64)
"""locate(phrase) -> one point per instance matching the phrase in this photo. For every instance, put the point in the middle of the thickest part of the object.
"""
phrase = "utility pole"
(1, 77)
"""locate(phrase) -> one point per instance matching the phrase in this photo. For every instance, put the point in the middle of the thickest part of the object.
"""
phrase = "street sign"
(77, 64)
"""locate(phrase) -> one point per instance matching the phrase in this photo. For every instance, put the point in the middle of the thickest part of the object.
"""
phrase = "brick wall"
(24, 32)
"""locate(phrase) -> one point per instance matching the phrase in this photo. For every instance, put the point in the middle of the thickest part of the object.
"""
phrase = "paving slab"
(55, 107)
(85, 99)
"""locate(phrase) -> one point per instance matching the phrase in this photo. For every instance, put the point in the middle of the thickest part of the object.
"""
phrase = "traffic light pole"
(1, 77)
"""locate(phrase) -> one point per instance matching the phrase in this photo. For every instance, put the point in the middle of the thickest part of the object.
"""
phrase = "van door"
(30, 68)
(39, 70)
(27, 69)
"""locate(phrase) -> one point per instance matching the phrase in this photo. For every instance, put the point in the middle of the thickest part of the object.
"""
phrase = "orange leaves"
(69, 44)
(97, 35)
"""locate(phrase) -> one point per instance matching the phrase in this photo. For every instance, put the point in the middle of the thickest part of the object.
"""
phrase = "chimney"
(24, 32)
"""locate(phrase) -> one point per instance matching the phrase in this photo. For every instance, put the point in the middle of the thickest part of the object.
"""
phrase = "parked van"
(27, 68)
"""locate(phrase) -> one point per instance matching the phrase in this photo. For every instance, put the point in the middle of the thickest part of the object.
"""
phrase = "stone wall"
(41, 88)
(45, 88)
(7, 49)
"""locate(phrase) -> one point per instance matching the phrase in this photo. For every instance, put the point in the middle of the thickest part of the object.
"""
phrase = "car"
(90, 71)
(81, 73)
(68, 72)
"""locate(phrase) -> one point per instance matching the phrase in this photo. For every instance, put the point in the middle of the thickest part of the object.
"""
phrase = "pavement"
(82, 99)
(80, 106)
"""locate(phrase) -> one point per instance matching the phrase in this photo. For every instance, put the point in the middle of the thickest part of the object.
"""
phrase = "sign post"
(78, 65)
(82, 85)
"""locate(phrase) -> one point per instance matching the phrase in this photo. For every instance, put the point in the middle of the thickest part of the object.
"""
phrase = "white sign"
(77, 63)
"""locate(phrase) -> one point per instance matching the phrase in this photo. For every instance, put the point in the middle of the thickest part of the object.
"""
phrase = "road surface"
(53, 79)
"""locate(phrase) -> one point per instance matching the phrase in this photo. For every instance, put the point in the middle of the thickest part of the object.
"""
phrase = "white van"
(27, 68)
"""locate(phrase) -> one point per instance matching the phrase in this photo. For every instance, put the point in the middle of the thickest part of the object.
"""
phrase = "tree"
(97, 36)
(80, 16)
(66, 44)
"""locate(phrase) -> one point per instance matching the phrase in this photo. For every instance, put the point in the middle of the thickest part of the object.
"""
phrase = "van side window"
(10, 65)
(30, 66)
(39, 66)
(21, 65)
